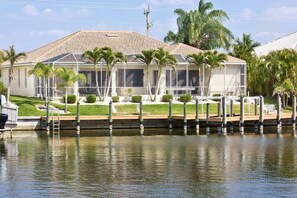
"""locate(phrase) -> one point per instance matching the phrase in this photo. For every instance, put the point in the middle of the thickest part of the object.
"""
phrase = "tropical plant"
(1, 60)
(69, 77)
(284, 89)
(94, 57)
(198, 60)
(202, 28)
(214, 60)
(44, 71)
(244, 48)
(111, 59)
(13, 57)
(147, 57)
(163, 59)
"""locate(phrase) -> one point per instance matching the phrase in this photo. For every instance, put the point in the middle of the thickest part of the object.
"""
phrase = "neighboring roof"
(127, 42)
(288, 41)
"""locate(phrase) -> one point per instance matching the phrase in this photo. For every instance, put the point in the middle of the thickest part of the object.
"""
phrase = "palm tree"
(94, 57)
(202, 28)
(214, 60)
(110, 58)
(13, 58)
(147, 57)
(198, 60)
(163, 59)
(243, 48)
(45, 71)
(284, 89)
(69, 77)
(1, 60)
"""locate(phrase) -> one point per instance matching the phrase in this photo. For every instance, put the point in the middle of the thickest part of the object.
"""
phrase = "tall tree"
(94, 57)
(163, 59)
(198, 60)
(111, 59)
(214, 60)
(243, 48)
(69, 77)
(13, 57)
(44, 71)
(202, 28)
(147, 57)
(1, 60)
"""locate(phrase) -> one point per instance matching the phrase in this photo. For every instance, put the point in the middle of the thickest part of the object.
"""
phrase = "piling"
(294, 112)
(241, 123)
(255, 113)
(207, 117)
(47, 118)
(261, 118)
(78, 117)
(219, 109)
(278, 117)
(110, 117)
(141, 118)
(185, 118)
(170, 114)
(224, 128)
(231, 107)
(197, 116)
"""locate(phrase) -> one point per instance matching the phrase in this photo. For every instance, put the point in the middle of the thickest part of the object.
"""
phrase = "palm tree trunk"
(105, 83)
(108, 87)
(149, 85)
(157, 89)
(97, 84)
(46, 85)
(208, 82)
(66, 94)
(8, 90)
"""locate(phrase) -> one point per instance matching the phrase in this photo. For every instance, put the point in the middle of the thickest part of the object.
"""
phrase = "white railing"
(12, 112)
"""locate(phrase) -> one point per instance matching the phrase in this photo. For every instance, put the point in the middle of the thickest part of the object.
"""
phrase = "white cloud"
(30, 10)
(246, 13)
(170, 2)
(55, 33)
(47, 11)
(281, 12)
(271, 34)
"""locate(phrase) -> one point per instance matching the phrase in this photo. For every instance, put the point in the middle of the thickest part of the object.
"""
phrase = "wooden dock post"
(241, 123)
(78, 117)
(141, 119)
(207, 117)
(47, 118)
(278, 117)
(197, 116)
(255, 113)
(294, 112)
(224, 130)
(110, 117)
(261, 118)
(185, 118)
(231, 107)
(170, 114)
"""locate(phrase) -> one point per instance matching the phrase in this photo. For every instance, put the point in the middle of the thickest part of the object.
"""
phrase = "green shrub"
(71, 99)
(217, 95)
(185, 98)
(115, 98)
(91, 98)
(136, 99)
(3, 89)
(167, 98)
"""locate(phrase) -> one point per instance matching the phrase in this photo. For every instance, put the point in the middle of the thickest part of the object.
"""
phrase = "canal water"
(250, 165)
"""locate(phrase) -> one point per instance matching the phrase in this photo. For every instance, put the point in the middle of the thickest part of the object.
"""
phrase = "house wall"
(22, 84)
(231, 82)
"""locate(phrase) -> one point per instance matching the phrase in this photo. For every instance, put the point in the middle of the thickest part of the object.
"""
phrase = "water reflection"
(149, 165)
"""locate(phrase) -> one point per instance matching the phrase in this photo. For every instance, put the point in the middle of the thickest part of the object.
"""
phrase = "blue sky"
(29, 24)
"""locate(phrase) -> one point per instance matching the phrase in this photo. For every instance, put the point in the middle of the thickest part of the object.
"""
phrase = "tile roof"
(288, 41)
(127, 42)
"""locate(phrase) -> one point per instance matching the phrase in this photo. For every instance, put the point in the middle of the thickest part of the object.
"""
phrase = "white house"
(286, 42)
(68, 52)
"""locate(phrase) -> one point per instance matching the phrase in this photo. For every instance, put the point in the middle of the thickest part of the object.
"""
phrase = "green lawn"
(27, 107)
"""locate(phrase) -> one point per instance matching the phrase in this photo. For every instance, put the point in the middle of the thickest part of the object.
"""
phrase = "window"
(26, 77)
(19, 78)
(130, 78)
(242, 75)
